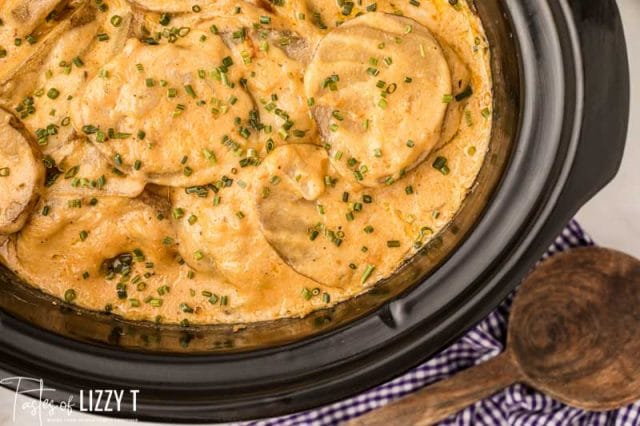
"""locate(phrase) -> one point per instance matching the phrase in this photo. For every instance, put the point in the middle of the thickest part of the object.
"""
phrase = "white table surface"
(612, 218)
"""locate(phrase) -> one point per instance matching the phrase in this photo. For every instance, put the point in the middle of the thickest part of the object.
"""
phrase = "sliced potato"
(24, 29)
(76, 245)
(42, 89)
(217, 233)
(371, 79)
(21, 175)
(305, 215)
(26, 15)
(171, 111)
(78, 168)
(278, 86)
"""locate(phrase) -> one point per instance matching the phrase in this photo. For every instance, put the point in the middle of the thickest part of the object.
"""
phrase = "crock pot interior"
(32, 306)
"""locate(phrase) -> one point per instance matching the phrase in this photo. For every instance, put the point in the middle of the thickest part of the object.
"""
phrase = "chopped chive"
(53, 93)
(165, 19)
(71, 172)
(178, 110)
(440, 164)
(189, 89)
(89, 129)
(367, 273)
(186, 308)
(306, 294)
(393, 243)
(70, 295)
(116, 20)
(337, 115)
(177, 213)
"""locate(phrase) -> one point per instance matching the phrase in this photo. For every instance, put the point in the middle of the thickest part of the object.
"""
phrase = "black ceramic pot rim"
(574, 100)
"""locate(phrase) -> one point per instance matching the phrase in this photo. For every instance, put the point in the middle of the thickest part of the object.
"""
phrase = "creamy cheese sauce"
(230, 162)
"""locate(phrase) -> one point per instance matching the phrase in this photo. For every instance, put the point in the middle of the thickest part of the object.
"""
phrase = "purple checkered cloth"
(516, 405)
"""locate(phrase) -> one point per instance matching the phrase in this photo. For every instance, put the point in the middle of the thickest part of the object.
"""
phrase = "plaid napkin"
(516, 405)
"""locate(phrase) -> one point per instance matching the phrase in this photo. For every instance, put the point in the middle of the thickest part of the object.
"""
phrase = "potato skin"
(22, 171)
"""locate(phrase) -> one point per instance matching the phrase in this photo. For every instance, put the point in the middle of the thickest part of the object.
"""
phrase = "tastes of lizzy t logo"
(95, 401)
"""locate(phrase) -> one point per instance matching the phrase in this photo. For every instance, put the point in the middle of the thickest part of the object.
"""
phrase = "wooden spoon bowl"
(573, 335)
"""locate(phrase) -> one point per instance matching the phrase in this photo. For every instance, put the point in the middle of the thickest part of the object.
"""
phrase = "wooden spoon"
(574, 334)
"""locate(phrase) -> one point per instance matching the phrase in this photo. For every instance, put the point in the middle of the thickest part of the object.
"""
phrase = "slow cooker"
(561, 88)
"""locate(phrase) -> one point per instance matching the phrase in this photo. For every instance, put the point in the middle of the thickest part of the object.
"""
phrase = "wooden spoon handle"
(442, 399)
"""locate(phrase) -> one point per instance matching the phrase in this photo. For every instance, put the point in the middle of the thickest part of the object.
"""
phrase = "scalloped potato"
(201, 162)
